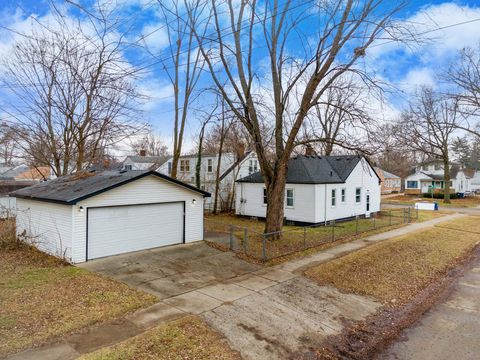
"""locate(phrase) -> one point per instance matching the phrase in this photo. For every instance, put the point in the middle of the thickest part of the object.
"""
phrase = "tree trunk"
(220, 151)
(198, 165)
(446, 178)
(275, 201)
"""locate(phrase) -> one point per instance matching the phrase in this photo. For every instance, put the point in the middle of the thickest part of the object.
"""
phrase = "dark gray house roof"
(314, 169)
(79, 186)
(159, 160)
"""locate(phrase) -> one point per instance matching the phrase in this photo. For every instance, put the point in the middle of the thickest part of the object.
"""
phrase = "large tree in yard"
(272, 61)
(428, 126)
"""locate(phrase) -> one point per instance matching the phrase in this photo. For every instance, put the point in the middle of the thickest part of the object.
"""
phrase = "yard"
(248, 235)
(394, 271)
(187, 338)
(43, 298)
(409, 200)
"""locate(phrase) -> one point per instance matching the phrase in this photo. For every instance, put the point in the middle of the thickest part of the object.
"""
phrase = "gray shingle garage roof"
(315, 170)
(76, 187)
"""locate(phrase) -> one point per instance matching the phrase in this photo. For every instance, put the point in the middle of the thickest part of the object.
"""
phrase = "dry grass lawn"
(296, 238)
(412, 199)
(187, 338)
(394, 271)
(42, 298)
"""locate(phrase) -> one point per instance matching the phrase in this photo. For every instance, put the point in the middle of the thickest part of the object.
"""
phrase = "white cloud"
(155, 36)
(418, 77)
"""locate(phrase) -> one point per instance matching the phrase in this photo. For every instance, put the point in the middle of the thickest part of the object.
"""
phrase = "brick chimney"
(143, 152)
(309, 151)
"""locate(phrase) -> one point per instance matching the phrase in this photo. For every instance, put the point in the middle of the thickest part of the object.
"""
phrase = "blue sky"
(404, 68)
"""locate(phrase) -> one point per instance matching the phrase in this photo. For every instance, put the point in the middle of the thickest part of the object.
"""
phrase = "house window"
(438, 167)
(252, 166)
(264, 196)
(209, 165)
(425, 167)
(334, 197)
(290, 197)
(169, 164)
(412, 184)
(184, 165)
(344, 195)
(128, 167)
(358, 195)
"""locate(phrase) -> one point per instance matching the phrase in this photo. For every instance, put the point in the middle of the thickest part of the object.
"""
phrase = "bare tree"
(9, 150)
(74, 93)
(428, 127)
(340, 116)
(465, 74)
(281, 94)
(183, 66)
(152, 144)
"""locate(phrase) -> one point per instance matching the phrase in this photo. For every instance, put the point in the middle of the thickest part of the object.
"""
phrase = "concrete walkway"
(269, 313)
(449, 331)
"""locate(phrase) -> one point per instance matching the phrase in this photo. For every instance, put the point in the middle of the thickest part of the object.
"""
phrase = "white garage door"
(121, 229)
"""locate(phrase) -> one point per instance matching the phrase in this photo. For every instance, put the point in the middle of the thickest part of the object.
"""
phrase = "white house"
(90, 215)
(161, 164)
(430, 175)
(232, 167)
(319, 189)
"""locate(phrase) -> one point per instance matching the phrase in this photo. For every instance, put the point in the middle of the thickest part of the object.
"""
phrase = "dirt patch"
(366, 339)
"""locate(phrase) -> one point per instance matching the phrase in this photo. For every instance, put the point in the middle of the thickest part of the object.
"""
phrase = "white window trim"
(333, 197)
(263, 197)
(359, 196)
(293, 198)
(210, 165)
(343, 197)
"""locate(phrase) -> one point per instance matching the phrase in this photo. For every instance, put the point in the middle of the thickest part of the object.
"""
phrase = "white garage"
(86, 216)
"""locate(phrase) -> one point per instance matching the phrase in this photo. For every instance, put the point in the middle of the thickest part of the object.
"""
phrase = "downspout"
(325, 204)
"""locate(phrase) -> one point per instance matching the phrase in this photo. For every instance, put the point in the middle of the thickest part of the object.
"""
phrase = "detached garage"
(90, 215)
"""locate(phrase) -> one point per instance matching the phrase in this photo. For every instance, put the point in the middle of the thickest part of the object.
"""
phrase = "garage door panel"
(122, 229)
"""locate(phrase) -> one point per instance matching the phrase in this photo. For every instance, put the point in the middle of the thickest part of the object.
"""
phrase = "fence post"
(245, 240)
(417, 212)
(374, 222)
(404, 210)
(333, 230)
(264, 245)
(356, 225)
(390, 214)
(409, 214)
(304, 237)
(231, 237)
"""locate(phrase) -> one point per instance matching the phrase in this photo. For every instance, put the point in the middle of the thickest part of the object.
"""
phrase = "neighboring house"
(162, 164)
(390, 183)
(318, 189)
(232, 167)
(430, 175)
(14, 178)
(90, 215)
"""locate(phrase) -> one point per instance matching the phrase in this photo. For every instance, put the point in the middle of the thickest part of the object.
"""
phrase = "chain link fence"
(267, 246)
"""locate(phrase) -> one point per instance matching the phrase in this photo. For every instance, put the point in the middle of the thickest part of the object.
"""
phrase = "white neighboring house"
(90, 215)
(162, 164)
(232, 167)
(430, 175)
(318, 189)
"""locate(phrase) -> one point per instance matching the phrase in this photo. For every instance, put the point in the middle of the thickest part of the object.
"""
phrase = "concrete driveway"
(173, 270)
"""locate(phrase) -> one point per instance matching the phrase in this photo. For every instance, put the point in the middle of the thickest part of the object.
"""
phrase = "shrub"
(8, 237)
(439, 196)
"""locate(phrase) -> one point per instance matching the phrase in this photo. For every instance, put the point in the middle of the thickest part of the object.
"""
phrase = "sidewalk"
(448, 331)
(246, 288)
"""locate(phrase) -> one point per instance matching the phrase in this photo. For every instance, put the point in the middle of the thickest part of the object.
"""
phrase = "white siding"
(47, 225)
(362, 177)
(150, 189)
(249, 201)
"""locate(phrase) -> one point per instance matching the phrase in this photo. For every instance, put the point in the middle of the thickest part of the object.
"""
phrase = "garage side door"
(122, 229)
